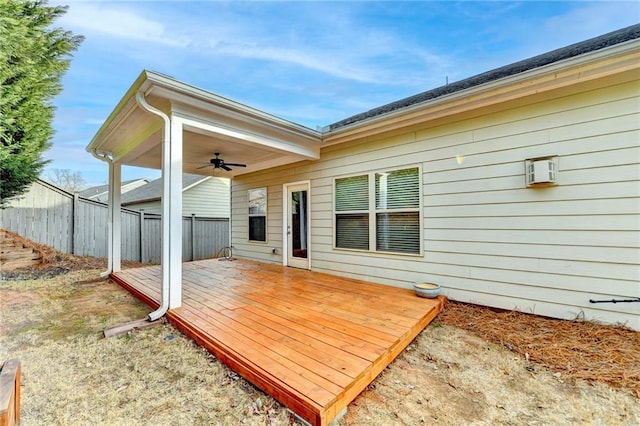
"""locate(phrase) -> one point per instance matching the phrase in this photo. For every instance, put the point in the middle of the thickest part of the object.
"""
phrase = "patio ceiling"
(241, 134)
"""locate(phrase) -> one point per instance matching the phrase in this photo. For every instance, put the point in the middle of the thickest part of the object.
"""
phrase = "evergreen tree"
(34, 56)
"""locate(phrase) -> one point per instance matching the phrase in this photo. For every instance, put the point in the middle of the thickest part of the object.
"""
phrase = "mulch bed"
(576, 349)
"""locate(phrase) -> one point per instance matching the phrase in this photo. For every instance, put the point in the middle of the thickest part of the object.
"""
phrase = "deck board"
(312, 341)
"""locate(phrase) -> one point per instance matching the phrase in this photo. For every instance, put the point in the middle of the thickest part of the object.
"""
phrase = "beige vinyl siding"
(487, 238)
(257, 250)
(208, 198)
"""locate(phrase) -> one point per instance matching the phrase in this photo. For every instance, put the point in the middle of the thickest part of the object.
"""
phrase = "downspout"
(166, 139)
(103, 156)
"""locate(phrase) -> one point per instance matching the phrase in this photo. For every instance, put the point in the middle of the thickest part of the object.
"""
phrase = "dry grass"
(71, 375)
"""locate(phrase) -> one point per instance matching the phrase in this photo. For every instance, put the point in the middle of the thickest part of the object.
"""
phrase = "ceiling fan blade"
(235, 164)
(202, 167)
(224, 166)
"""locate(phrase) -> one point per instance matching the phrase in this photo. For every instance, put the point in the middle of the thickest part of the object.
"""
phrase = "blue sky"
(313, 63)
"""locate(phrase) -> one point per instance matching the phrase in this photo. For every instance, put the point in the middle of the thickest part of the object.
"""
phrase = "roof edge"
(130, 93)
(537, 62)
(172, 84)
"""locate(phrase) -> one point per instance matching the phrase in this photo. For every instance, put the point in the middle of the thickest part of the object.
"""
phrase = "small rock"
(258, 403)
(557, 375)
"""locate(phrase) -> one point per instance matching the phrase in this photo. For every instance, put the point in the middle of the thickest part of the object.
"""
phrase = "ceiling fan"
(219, 163)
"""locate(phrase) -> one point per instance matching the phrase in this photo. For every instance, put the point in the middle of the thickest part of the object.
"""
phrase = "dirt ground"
(52, 319)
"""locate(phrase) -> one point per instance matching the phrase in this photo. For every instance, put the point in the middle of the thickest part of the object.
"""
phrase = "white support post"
(172, 214)
(193, 237)
(114, 227)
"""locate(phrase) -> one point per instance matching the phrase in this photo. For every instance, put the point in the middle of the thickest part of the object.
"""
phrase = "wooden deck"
(310, 340)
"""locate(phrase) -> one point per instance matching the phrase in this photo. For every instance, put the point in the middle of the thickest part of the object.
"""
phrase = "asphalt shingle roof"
(153, 190)
(591, 45)
(94, 190)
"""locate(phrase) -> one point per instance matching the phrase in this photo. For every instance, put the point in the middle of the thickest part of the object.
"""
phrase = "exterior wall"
(206, 199)
(487, 238)
(261, 251)
(209, 198)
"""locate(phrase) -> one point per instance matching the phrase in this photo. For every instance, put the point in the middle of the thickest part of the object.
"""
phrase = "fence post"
(75, 219)
(142, 239)
(193, 236)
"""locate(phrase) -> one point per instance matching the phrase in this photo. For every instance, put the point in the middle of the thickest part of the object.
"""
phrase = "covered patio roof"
(210, 123)
(162, 123)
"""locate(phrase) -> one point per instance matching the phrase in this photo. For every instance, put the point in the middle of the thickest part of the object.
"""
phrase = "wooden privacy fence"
(71, 224)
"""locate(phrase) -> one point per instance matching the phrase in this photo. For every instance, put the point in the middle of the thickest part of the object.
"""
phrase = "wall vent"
(541, 171)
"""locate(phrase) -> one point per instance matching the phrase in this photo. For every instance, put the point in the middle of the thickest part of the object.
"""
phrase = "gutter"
(103, 156)
(166, 139)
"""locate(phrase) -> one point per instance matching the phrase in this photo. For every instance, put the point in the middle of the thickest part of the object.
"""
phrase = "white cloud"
(582, 21)
(109, 20)
(311, 60)
(358, 55)
(204, 32)
(592, 19)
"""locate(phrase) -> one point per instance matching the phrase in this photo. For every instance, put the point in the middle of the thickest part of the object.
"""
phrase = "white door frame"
(286, 217)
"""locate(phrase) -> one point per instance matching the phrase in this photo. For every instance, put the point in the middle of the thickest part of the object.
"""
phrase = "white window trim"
(285, 219)
(372, 212)
(265, 214)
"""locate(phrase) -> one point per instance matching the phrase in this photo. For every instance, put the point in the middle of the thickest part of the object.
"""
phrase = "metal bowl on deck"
(428, 290)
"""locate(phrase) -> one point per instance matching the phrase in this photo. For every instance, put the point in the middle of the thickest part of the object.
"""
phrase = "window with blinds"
(352, 212)
(257, 214)
(383, 208)
(398, 211)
